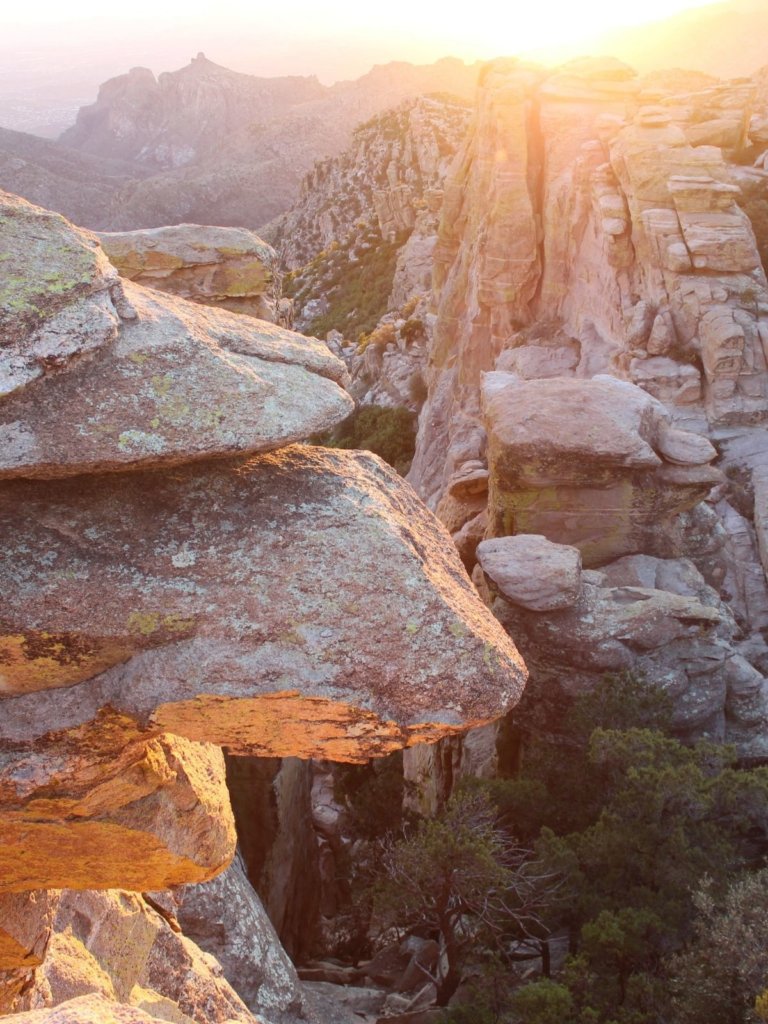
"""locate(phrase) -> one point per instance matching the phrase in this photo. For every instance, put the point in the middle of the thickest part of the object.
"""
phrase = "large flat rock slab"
(98, 374)
(301, 603)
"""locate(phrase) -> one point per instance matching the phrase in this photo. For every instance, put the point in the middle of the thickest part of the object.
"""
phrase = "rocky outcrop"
(358, 245)
(482, 287)
(171, 603)
(596, 464)
(657, 618)
(634, 229)
(116, 946)
(96, 374)
(213, 587)
(531, 571)
(225, 918)
(630, 255)
(227, 267)
(107, 805)
(383, 178)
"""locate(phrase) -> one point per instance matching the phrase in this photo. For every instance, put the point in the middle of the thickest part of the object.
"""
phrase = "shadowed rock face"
(301, 604)
(656, 617)
(26, 920)
(95, 375)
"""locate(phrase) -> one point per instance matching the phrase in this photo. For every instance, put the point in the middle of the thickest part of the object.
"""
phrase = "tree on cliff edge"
(461, 878)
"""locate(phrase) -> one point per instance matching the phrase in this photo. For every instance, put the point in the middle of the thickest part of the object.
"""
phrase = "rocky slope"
(81, 186)
(600, 249)
(181, 578)
(208, 145)
(358, 242)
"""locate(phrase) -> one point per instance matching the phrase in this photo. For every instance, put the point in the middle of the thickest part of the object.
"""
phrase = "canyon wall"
(597, 377)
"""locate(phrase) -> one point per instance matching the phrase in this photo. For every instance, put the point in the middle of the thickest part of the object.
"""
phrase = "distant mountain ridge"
(206, 144)
(184, 116)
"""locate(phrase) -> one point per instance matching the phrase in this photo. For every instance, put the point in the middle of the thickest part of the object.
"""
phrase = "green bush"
(389, 433)
(543, 1002)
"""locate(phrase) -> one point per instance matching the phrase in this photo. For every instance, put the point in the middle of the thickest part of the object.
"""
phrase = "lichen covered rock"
(230, 597)
(228, 267)
(96, 374)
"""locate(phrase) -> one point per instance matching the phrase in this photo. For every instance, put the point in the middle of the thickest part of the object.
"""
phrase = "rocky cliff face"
(179, 578)
(587, 229)
(600, 249)
(382, 178)
(359, 240)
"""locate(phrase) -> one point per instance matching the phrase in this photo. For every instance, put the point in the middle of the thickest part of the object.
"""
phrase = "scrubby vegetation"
(390, 433)
(637, 857)
(356, 285)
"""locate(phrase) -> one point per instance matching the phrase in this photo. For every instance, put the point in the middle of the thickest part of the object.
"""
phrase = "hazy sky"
(334, 32)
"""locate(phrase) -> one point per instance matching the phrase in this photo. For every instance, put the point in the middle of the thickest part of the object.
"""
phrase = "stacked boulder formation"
(179, 575)
(598, 381)
(228, 267)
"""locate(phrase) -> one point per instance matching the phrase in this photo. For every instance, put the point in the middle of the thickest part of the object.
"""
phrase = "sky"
(334, 34)
(54, 54)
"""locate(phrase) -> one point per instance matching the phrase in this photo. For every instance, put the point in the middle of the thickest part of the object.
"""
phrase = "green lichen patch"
(46, 264)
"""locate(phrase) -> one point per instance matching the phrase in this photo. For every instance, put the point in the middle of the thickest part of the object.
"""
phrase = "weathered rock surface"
(92, 1009)
(531, 571)
(654, 617)
(115, 946)
(225, 918)
(26, 919)
(100, 375)
(227, 267)
(242, 629)
(596, 464)
(103, 806)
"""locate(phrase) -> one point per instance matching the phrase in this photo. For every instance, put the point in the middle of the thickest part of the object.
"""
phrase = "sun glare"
(510, 27)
